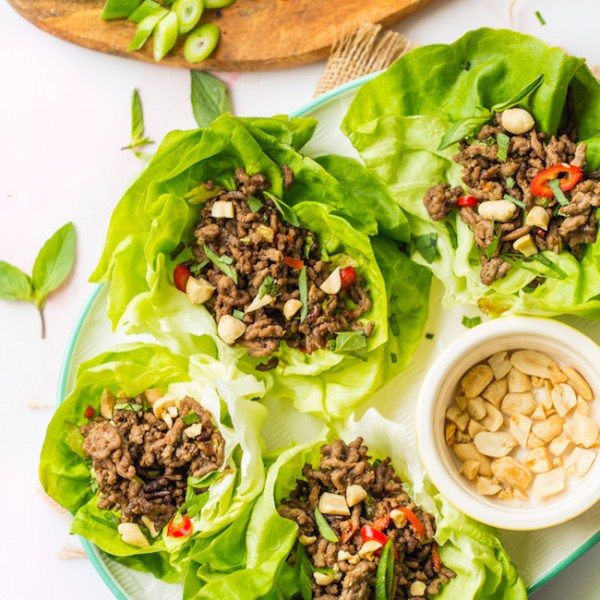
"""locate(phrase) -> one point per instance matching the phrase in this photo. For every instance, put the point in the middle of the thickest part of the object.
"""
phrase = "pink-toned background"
(64, 115)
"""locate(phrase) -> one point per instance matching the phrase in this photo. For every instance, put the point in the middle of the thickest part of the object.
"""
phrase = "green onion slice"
(201, 42)
(324, 528)
(188, 14)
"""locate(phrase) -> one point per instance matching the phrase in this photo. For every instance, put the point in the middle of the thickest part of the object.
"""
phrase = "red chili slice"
(89, 412)
(370, 533)
(348, 275)
(181, 529)
(380, 523)
(348, 531)
(437, 563)
(468, 201)
(181, 274)
(293, 263)
(413, 520)
(571, 176)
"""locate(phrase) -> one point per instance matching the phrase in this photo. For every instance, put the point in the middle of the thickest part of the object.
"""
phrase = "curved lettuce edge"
(259, 570)
(222, 389)
(136, 260)
(397, 120)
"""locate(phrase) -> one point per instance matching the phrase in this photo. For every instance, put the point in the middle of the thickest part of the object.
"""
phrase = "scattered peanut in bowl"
(520, 424)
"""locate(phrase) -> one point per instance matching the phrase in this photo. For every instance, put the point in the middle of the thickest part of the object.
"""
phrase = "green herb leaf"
(519, 203)
(510, 182)
(268, 286)
(196, 268)
(503, 141)
(452, 234)
(137, 126)
(526, 91)
(199, 194)
(14, 284)
(205, 480)
(324, 528)
(221, 263)
(254, 203)
(54, 262)
(426, 245)
(130, 406)
(210, 98)
(304, 572)
(352, 343)
(489, 251)
(558, 193)
(541, 19)
(245, 240)
(303, 287)
(284, 210)
(470, 322)
(190, 418)
(463, 129)
(238, 314)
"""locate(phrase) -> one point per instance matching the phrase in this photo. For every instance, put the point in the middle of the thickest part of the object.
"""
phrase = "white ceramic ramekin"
(567, 346)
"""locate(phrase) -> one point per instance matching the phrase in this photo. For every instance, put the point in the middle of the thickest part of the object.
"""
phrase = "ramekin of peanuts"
(508, 422)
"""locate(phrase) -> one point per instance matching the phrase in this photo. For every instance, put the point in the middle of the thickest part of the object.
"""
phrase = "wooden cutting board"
(255, 34)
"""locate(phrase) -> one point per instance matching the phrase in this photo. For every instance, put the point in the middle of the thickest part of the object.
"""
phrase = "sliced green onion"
(510, 182)
(188, 13)
(303, 287)
(268, 286)
(558, 193)
(470, 322)
(201, 42)
(519, 203)
(238, 314)
(190, 418)
(222, 262)
(165, 36)
(285, 211)
(503, 141)
(118, 9)
(541, 19)
(217, 3)
(145, 9)
(254, 203)
(324, 528)
(145, 29)
(196, 268)
(130, 406)
(308, 244)
(385, 575)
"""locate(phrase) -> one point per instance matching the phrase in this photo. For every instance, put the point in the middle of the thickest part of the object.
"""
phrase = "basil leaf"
(254, 203)
(558, 193)
(470, 322)
(268, 286)
(426, 245)
(54, 262)
(14, 284)
(190, 418)
(324, 527)
(526, 91)
(304, 573)
(303, 286)
(210, 98)
(353, 343)
(284, 210)
(503, 142)
(221, 263)
(463, 129)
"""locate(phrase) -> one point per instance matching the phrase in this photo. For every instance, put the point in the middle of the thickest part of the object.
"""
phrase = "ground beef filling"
(142, 465)
(265, 250)
(487, 178)
(341, 466)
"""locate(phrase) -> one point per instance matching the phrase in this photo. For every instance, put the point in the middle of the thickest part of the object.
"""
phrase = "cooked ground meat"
(487, 177)
(141, 464)
(260, 253)
(341, 466)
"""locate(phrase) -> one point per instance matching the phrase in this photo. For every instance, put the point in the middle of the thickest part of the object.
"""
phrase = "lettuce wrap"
(259, 543)
(398, 120)
(348, 209)
(220, 498)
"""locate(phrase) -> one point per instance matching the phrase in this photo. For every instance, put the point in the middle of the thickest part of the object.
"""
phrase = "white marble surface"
(64, 115)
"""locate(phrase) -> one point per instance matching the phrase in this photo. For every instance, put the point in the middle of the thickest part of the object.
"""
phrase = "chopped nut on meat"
(199, 290)
(354, 494)
(333, 504)
(368, 549)
(107, 404)
(398, 518)
(291, 307)
(333, 284)
(307, 540)
(223, 209)
(132, 534)
(322, 578)
(417, 588)
(193, 431)
(147, 521)
(517, 120)
(230, 329)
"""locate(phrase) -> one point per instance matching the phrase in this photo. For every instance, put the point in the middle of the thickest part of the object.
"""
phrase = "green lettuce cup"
(349, 212)
(468, 554)
(152, 451)
(399, 121)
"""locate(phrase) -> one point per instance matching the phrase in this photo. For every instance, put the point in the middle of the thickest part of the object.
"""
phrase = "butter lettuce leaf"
(348, 208)
(227, 393)
(398, 119)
